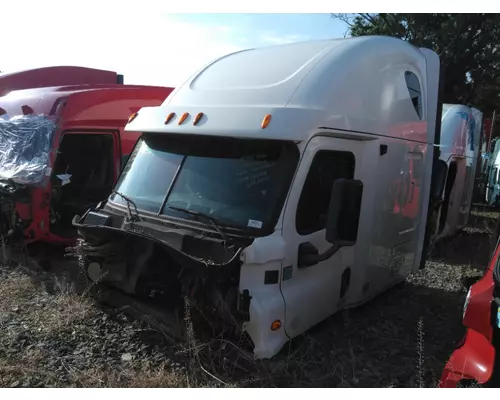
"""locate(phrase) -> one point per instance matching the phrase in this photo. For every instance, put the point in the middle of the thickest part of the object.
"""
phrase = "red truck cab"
(474, 359)
(62, 144)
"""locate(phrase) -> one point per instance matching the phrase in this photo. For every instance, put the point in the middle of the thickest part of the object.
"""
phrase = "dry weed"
(37, 309)
(403, 338)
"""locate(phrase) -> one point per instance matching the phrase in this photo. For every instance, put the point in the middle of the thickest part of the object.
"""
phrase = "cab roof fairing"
(55, 76)
(97, 105)
(355, 84)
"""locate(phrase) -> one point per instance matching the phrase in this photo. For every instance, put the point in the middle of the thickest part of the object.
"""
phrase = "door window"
(326, 167)
(494, 177)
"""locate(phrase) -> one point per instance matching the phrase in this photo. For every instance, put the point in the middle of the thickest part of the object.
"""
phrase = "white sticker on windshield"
(65, 179)
(254, 224)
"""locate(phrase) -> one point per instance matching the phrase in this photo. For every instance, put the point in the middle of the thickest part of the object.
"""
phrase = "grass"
(34, 322)
(47, 314)
(54, 337)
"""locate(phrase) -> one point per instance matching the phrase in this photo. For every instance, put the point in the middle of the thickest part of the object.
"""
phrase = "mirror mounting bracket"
(309, 255)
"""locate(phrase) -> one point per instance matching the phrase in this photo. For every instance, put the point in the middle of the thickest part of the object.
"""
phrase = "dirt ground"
(52, 337)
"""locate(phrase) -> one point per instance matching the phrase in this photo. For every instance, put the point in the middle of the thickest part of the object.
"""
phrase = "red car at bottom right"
(473, 361)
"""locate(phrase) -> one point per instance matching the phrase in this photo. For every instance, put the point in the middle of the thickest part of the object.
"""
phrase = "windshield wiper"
(129, 202)
(212, 220)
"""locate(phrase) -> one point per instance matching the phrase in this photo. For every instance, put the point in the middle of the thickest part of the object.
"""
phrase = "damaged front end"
(25, 145)
(190, 221)
(165, 268)
(13, 198)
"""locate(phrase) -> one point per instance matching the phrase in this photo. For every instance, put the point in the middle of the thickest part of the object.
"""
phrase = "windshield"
(239, 182)
(445, 108)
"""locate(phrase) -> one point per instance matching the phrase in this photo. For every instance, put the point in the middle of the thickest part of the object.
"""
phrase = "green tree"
(468, 45)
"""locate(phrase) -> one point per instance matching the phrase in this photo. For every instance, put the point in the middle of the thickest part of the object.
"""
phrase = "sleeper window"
(326, 167)
(413, 86)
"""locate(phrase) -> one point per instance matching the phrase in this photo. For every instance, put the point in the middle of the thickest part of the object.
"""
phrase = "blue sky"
(263, 29)
(145, 43)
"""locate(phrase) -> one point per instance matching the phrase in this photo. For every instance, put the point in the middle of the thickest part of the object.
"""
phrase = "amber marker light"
(266, 121)
(276, 325)
(197, 119)
(183, 118)
(169, 118)
(132, 117)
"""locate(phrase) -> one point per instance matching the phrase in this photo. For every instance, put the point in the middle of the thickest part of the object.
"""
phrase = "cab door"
(312, 293)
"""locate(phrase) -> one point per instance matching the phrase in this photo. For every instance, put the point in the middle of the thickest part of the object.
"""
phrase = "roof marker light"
(265, 121)
(169, 118)
(198, 117)
(132, 117)
(27, 110)
(183, 118)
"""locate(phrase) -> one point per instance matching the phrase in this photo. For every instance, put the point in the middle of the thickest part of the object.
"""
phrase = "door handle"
(412, 191)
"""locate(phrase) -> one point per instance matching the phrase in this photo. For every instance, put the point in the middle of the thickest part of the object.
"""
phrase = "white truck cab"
(493, 186)
(459, 145)
(285, 183)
